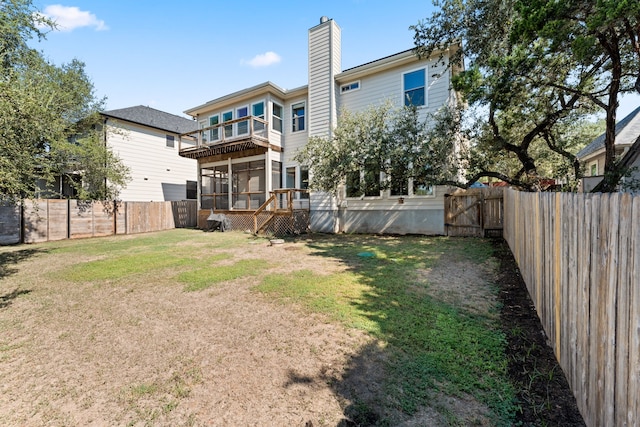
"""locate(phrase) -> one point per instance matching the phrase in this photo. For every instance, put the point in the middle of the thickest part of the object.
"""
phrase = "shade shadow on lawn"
(9, 261)
(424, 348)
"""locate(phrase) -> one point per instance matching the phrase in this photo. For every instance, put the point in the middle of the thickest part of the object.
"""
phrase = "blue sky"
(174, 55)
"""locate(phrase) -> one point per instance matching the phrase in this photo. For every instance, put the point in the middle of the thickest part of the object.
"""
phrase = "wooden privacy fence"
(50, 219)
(475, 212)
(579, 255)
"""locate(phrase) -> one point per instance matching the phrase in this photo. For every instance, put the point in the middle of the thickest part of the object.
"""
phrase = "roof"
(628, 129)
(376, 66)
(151, 117)
(265, 87)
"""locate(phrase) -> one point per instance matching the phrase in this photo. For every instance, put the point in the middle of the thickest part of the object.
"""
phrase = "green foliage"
(395, 141)
(535, 71)
(42, 106)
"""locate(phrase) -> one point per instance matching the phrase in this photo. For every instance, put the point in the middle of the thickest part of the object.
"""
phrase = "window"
(297, 117)
(214, 134)
(277, 117)
(399, 186)
(192, 190)
(304, 181)
(593, 169)
(290, 179)
(365, 182)
(257, 110)
(203, 124)
(414, 86)
(350, 87)
(171, 141)
(228, 129)
(276, 174)
(421, 188)
(243, 126)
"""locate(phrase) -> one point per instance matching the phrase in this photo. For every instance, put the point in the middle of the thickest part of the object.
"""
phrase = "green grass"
(432, 345)
(202, 278)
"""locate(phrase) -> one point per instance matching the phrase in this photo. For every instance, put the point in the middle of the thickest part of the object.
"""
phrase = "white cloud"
(68, 18)
(263, 60)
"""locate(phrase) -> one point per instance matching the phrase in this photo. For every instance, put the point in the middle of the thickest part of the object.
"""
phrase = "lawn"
(191, 328)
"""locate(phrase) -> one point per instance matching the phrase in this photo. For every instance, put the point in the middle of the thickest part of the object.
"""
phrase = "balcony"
(243, 134)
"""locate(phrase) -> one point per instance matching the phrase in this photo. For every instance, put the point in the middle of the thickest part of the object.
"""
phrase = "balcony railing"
(250, 128)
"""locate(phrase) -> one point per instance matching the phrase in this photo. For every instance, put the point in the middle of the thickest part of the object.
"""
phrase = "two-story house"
(248, 140)
(146, 140)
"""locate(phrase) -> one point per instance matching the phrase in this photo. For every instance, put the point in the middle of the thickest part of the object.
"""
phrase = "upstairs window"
(243, 126)
(257, 110)
(277, 117)
(350, 87)
(228, 129)
(171, 141)
(414, 88)
(203, 134)
(297, 117)
(214, 134)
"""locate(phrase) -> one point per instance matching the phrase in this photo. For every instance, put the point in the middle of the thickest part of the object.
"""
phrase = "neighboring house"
(593, 155)
(146, 140)
(248, 139)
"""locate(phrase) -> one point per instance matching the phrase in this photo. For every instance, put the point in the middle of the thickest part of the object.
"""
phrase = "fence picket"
(49, 219)
(579, 255)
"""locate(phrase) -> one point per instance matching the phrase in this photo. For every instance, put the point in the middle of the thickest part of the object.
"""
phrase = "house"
(248, 140)
(593, 155)
(146, 141)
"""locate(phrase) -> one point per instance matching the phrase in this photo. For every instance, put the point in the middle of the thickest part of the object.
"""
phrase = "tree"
(605, 33)
(516, 120)
(42, 108)
(381, 140)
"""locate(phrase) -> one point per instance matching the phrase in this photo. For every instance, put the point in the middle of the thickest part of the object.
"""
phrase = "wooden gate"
(476, 212)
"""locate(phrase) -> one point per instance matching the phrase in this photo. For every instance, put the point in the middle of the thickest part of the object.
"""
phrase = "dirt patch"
(544, 394)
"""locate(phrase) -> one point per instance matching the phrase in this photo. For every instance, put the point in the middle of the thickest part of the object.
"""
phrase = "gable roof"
(628, 129)
(151, 117)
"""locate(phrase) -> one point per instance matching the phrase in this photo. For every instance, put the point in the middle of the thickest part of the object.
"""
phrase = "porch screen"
(215, 188)
(248, 185)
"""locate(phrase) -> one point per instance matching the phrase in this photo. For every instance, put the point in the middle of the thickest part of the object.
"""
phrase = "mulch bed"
(543, 392)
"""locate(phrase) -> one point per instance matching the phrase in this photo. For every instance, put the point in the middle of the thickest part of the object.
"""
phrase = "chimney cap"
(324, 19)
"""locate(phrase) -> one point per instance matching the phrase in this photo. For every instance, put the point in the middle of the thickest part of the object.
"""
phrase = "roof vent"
(324, 19)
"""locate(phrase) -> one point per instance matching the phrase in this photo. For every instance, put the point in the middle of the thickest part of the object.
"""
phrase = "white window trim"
(383, 193)
(304, 104)
(421, 196)
(237, 116)
(222, 121)
(201, 125)
(281, 118)
(595, 162)
(426, 86)
(218, 115)
(264, 110)
(167, 140)
(346, 88)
